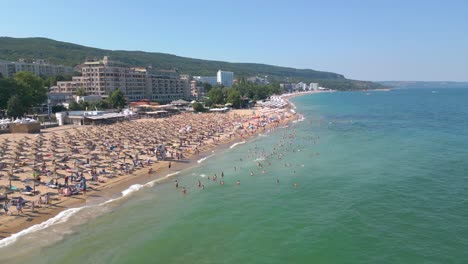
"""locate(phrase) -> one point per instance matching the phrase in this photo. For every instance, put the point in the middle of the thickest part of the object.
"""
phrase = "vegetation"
(81, 92)
(237, 95)
(14, 107)
(198, 107)
(72, 55)
(117, 99)
(19, 94)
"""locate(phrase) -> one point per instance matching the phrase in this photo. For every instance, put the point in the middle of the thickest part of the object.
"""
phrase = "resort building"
(225, 78)
(213, 80)
(38, 67)
(102, 77)
(313, 86)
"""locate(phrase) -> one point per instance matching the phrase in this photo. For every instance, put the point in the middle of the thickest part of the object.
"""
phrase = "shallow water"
(381, 178)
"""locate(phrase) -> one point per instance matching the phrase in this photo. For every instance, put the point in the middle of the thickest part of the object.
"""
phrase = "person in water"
(238, 182)
(176, 184)
(184, 191)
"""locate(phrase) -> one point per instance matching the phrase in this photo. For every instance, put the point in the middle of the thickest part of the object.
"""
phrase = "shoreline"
(114, 189)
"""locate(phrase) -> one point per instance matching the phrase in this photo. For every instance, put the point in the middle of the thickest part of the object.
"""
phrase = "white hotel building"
(225, 78)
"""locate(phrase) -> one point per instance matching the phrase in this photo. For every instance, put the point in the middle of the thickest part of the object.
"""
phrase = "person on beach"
(170, 164)
(5, 207)
(19, 205)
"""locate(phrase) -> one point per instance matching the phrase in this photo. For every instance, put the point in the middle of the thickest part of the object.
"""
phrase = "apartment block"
(38, 67)
(102, 77)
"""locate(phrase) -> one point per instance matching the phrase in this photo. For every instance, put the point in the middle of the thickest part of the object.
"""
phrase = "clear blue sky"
(362, 39)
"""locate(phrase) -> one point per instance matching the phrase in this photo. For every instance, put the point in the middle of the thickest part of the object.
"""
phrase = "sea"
(364, 177)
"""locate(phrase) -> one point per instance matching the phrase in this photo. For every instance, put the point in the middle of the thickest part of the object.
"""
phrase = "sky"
(372, 40)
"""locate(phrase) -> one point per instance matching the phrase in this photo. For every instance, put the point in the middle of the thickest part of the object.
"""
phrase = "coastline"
(121, 186)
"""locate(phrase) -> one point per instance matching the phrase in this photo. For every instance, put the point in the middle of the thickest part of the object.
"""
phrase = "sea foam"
(203, 159)
(65, 215)
(59, 218)
(236, 144)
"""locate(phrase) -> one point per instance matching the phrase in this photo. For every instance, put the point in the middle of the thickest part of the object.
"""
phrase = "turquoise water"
(381, 178)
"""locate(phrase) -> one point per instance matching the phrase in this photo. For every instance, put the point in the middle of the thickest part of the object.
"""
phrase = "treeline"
(240, 94)
(20, 93)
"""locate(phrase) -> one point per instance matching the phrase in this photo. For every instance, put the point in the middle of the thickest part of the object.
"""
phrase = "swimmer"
(238, 182)
(251, 173)
(295, 185)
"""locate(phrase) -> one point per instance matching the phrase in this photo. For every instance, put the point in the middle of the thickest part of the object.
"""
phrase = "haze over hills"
(72, 54)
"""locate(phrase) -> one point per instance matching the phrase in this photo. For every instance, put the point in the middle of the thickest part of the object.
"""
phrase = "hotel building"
(102, 77)
(38, 67)
(225, 78)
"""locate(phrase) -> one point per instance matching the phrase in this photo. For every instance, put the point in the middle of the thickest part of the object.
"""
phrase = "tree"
(103, 104)
(81, 92)
(74, 106)
(31, 89)
(198, 107)
(117, 99)
(216, 95)
(58, 108)
(8, 88)
(207, 87)
(234, 97)
(15, 107)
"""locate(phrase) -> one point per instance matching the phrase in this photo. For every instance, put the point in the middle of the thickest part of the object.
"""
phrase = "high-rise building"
(225, 78)
(39, 67)
(102, 77)
(313, 86)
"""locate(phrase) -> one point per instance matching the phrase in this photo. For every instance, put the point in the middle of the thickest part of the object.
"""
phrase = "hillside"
(72, 54)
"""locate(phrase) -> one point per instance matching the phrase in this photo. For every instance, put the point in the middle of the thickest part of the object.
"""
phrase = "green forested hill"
(73, 54)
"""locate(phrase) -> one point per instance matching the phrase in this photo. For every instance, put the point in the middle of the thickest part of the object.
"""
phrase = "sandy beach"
(70, 166)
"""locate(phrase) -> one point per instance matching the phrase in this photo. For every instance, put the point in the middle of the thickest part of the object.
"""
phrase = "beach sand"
(68, 151)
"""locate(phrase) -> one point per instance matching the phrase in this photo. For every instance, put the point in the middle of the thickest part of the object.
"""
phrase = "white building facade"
(38, 67)
(225, 78)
